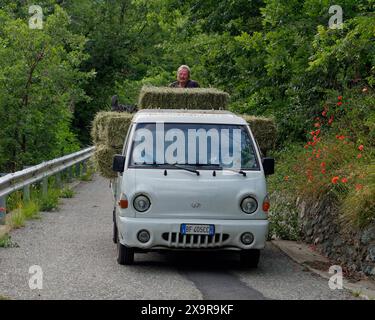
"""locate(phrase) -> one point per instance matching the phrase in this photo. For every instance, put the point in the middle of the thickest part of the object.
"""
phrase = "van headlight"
(249, 205)
(141, 203)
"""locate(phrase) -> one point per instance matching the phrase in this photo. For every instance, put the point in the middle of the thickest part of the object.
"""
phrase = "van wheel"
(125, 255)
(250, 258)
(115, 236)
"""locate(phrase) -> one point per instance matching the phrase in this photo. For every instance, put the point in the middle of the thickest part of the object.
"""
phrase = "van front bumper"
(165, 234)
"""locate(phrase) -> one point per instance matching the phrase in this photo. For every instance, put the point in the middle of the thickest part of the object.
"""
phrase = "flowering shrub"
(337, 160)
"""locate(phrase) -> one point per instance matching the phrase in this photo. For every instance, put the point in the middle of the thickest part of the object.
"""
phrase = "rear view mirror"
(268, 166)
(118, 163)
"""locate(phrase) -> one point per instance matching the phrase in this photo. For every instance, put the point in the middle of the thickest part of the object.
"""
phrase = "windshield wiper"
(185, 168)
(179, 166)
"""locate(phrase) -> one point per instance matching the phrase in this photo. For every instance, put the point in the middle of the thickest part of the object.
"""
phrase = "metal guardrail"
(23, 179)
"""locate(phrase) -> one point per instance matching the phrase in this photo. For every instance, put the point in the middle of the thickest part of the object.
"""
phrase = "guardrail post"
(84, 167)
(2, 210)
(26, 193)
(78, 170)
(70, 174)
(58, 180)
(45, 186)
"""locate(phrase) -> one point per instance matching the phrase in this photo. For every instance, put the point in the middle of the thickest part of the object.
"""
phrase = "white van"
(190, 180)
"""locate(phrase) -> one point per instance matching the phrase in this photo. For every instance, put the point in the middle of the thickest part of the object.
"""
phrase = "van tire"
(250, 258)
(115, 232)
(125, 255)
(115, 236)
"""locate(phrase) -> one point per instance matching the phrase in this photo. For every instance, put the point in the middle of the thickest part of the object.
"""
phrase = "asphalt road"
(74, 248)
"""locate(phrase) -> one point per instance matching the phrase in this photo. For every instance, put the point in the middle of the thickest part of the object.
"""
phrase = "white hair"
(184, 66)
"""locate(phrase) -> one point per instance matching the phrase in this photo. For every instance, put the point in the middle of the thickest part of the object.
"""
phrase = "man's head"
(183, 75)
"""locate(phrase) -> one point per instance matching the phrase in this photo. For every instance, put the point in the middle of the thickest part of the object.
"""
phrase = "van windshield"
(205, 146)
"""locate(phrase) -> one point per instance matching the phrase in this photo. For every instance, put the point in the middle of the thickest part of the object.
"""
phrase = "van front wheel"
(250, 258)
(125, 255)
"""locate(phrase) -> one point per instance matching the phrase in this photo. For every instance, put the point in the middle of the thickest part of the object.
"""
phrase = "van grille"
(178, 240)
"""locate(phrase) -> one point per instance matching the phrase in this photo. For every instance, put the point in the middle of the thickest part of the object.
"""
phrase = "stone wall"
(353, 249)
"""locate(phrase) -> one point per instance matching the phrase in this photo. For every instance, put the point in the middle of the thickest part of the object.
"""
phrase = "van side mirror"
(268, 166)
(118, 163)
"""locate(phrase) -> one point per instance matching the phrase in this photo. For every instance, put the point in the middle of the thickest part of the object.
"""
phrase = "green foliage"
(50, 201)
(6, 242)
(283, 218)
(30, 210)
(17, 219)
(39, 87)
(67, 192)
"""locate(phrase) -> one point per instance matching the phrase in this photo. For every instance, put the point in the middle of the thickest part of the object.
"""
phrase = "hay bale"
(110, 128)
(264, 130)
(116, 129)
(99, 125)
(179, 98)
(103, 159)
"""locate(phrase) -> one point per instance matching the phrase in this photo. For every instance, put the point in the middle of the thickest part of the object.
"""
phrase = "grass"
(88, 175)
(17, 219)
(356, 294)
(30, 210)
(67, 193)
(50, 201)
(4, 297)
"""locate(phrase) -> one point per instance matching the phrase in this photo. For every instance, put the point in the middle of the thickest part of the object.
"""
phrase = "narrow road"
(74, 248)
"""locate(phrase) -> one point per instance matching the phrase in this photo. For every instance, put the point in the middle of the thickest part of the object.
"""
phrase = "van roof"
(188, 116)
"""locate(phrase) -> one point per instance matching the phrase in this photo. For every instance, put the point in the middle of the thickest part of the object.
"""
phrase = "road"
(74, 249)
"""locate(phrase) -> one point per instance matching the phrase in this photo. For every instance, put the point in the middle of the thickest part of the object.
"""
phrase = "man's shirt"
(189, 84)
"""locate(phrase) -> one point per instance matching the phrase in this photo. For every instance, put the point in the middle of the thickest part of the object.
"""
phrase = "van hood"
(183, 194)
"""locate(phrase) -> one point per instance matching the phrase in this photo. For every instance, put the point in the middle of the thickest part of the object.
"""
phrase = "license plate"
(207, 229)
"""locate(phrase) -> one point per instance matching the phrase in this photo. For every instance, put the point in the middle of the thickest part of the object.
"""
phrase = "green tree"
(40, 85)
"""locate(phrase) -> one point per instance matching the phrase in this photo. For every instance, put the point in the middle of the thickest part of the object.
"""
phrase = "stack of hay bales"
(109, 128)
(264, 131)
(179, 98)
(108, 133)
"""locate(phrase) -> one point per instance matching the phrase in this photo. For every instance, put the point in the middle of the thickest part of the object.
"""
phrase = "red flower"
(358, 187)
(324, 113)
(323, 171)
(340, 137)
(344, 180)
(317, 132)
(359, 156)
(330, 120)
(318, 155)
(286, 178)
(306, 146)
(339, 103)
(317, 125)
(335, 180)
(339, 98)
(360, 148)
(323, 164)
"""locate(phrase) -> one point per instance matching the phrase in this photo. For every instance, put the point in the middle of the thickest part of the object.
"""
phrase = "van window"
(206, 146)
